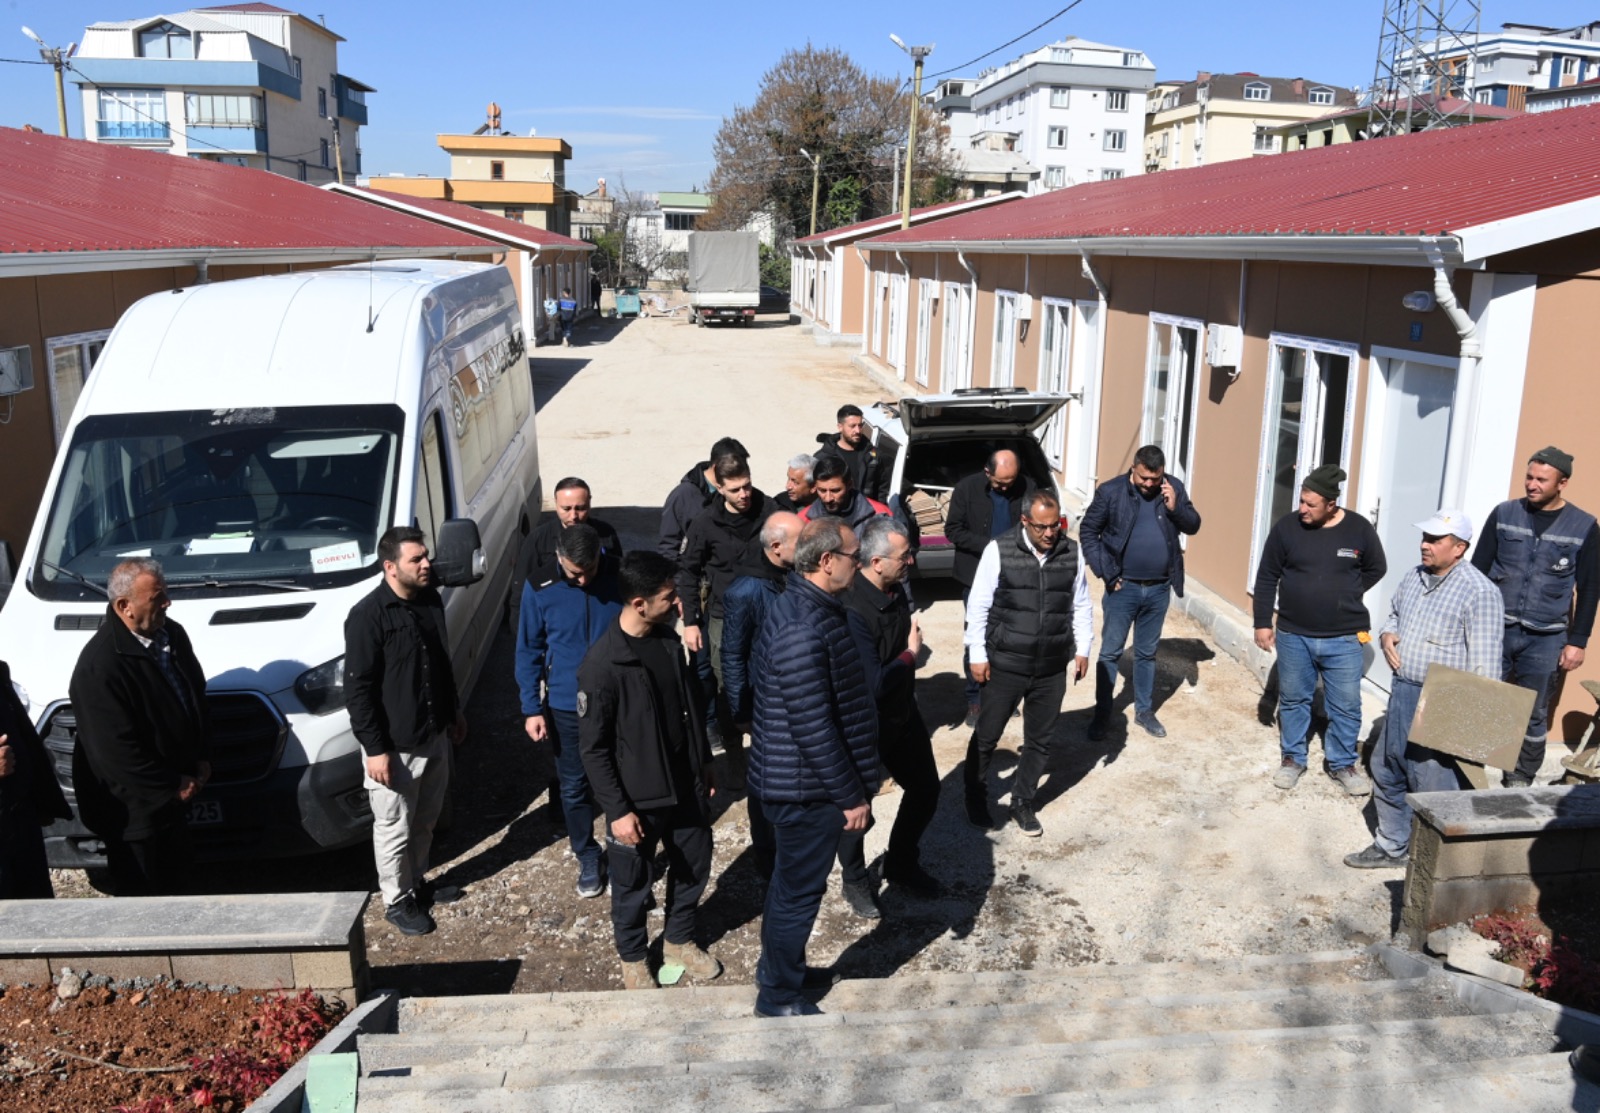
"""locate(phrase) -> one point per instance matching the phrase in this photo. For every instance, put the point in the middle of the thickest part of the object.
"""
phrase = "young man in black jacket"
(644, 749)
(573, 501)
(406, 714)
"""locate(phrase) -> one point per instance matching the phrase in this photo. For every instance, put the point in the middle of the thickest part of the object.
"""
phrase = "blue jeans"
(806, 840)
(1399, 766)
(1339, 662)
(1531, 660)
(576, 806)
(1142, 608)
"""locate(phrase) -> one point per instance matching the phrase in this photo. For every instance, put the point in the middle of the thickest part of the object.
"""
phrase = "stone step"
(1076, 987)
(837, 1036)
(1374, 1050)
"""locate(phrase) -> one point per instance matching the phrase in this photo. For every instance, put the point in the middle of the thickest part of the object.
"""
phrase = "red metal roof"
(487, 223)
(268, 8)
(1430, 183)
(70, 195)
(919, 215)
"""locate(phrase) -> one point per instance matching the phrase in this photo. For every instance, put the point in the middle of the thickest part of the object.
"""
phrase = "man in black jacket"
(1130, 539)
(983, 507)
(639, 729)
(138, 695)
(573, 501)
(853, 444)
(406, 714)
(694, 492)
(30, 799)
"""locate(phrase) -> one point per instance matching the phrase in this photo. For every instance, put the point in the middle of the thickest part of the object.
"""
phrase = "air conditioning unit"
(1224, 345)
(16, 370)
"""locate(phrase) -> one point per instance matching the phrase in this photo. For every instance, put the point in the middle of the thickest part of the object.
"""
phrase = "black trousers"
(687, 835)
(907, 754)
(1040, 697)
(160, 865)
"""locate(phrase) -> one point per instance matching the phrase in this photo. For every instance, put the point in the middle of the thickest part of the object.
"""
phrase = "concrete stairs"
(1358, 1030)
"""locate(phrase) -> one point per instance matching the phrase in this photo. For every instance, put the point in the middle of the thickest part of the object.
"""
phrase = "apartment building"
(1219, 117)
(1518, 59)
(520, 178)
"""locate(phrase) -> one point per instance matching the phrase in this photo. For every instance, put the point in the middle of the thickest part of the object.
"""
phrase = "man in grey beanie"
(1318, 562)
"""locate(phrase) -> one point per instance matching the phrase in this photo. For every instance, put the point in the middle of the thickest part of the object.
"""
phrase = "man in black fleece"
(1318, 563)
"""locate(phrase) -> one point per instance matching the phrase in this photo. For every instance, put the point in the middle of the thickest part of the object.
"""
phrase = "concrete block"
(247, 969)
(1441, 940)
(1471, 962)
(1458, 858)
(323, 969)
(16, 971)
(1463, 898)
(115, 966)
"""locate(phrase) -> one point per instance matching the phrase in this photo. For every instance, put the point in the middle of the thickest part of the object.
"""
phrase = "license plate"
(204, 812)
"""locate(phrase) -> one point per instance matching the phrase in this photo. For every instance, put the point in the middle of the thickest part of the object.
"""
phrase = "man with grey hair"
(799, 490)
(138, 695)
(878, 596)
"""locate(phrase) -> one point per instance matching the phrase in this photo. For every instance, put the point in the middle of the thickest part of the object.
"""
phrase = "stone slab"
(1509, 811)
(247, 969)
(1478, 718)
(119, 967)
(322, 969)
(16, 971)
(271, 921)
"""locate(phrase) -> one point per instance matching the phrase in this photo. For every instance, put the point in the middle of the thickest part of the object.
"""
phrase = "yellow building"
(1226, 116)
(518, 177)
(1349, 125)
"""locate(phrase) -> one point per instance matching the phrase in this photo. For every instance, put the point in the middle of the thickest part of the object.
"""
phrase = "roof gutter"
(1402, 251)
(33, 263)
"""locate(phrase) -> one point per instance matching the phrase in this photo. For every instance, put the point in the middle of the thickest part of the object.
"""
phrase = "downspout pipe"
(1471, 351)
(972, 319)
(1094, 279)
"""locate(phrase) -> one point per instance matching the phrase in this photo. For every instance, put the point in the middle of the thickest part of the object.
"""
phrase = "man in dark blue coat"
(814, 759)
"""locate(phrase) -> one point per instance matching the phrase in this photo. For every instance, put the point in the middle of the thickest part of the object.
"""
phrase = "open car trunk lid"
(979, 410)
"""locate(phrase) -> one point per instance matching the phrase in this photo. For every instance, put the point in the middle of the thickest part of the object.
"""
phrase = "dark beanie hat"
(1555, 458)
(1325, 480)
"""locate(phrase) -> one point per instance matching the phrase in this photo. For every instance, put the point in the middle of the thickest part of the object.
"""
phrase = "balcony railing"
(138, 129)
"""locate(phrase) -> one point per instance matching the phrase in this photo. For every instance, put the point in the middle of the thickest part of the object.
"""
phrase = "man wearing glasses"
(1029, 616)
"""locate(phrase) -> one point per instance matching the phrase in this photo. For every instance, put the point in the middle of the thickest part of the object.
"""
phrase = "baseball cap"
(1453, 522)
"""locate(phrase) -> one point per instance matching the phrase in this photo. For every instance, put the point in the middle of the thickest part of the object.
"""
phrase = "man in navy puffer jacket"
(814, 756)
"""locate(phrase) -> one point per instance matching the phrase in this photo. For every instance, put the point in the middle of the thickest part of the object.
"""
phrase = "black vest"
(1030, 621)
(1536, 575)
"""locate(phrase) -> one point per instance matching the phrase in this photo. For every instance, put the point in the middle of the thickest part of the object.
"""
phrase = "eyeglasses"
(853, 555)
(1059, 523)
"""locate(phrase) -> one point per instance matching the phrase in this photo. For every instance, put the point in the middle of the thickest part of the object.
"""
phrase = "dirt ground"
(1153, 850)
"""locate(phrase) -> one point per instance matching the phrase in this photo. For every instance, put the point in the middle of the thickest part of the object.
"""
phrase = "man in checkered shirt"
(1444, 611)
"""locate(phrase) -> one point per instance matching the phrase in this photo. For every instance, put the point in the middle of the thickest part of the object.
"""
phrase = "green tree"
(844, 204)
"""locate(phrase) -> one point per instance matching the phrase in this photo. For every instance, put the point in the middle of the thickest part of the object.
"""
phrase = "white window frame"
(1132, 58)
(1313, 408)
(1055, 132)
(927, 292)
(1003, 367)
(83, 342)
(1060, 96)
(1053, 437)
(1569, 66)
(955, 348)
(1112, 174)
(1171, 419)
(1320, 95)
(1484, 96)
(1265, 142)
(1055, 177)
(1116, 100)
(1258, 90)
(1116, 139)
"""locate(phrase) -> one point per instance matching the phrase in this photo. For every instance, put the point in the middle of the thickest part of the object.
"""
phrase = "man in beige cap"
(1444, 612)
(1543, 553)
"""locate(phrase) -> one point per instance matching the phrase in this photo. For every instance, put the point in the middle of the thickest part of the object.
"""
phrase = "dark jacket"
(1030, 621)
(856, 512)
(969, 520)
(558, 623)
(886, 617)
(783, 502)
(136, 736)
(744, 607)
(815, 726)
(30, 799)
(539, 547)
(398, 680)
(625, 752)
(719, 546)
(684, 503)
(867, 473)
(1108, 524)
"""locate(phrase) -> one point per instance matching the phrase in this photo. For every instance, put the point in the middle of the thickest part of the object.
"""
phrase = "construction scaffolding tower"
(1426, 68)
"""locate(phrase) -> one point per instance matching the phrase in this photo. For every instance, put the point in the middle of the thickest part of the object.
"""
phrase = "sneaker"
(1151, 724)
(637, 975)
(410, 919)
(1099, 726)
(430, 893)
(978, 811)
(862, 900)
(913, 879)
(1352, 780)
(801, 1007)
(1025, 819)
(972, 714)
(718, 746)
(1375, 857)
(1288, 775)
(591, 880)
(1514, 779)
(693, 958)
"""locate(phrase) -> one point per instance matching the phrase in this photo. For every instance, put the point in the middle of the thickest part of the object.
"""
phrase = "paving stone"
(118, 967)
(322, 969)
(16, 971)
(1474, 961)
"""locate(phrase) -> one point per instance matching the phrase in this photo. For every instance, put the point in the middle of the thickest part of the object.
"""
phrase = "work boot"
(861, 899)
(1352, 780)
(637, 975)
(693, 958)
(1151, 724)
(1375, 857)
(408, 917)
(1514, 779)
(1289, 773)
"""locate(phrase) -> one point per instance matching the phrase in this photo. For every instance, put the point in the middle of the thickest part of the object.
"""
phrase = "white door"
(899, 286)
(925, 288)
(1004, 364)
(1172, 395)
(1055, 358)
(1082, 414)
(1411, 404)
(954, 365)
(880, 307)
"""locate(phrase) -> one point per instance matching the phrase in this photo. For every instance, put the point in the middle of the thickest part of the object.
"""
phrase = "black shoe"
(591, 880)
(978, 812)
(410, 919)
(430, 893)
(1514, 779)
(799, 1008)
(972, 715)
(1025, 819)
(1098, 727)
(913, 879)
(1375, 857)
(821, 977)
(1151, 724)
(862, 900)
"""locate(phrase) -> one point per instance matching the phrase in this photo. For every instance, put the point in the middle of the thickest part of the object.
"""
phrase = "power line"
(26, 62)
(1010, 42)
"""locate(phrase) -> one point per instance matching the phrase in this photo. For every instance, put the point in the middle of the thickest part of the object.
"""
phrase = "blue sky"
(639, 95)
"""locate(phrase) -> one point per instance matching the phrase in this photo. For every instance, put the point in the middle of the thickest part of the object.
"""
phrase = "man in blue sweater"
(566, 606)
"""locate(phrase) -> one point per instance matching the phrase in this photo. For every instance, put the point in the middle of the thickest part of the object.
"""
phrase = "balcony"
(185, 73)
(136, 131)
(202, 138)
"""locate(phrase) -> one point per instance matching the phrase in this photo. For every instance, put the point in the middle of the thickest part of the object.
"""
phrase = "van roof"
(287, 339)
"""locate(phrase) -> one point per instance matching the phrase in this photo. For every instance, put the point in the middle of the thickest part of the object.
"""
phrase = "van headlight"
(321, 690)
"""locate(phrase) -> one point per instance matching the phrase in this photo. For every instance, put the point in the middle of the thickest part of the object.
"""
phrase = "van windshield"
(247, 500)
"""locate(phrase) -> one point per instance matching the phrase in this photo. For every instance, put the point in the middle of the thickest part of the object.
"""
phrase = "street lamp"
(918, 53)
(57, 58)
(816, 179)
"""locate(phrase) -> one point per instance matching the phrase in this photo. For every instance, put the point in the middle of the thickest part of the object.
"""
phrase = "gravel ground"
(1153, 850)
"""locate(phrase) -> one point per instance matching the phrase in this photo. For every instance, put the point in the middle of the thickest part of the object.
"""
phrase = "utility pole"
(816, 181)
(338, 154)
(894, 190)
(58, 59)
(918, 53)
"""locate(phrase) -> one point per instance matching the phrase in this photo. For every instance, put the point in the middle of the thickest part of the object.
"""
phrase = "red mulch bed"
(150, 1045)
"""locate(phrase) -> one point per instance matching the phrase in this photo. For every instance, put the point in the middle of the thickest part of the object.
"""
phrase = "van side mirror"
(458, 557)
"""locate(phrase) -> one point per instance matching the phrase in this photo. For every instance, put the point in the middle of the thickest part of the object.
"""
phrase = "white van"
(257, 437)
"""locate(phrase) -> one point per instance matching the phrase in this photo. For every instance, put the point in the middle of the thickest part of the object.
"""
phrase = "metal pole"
(894, 190)
(338, 154)
(911, 143)
(61, 94)
(816, 182)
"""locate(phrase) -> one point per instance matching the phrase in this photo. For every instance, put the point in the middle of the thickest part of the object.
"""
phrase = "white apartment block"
(1513, 62)
(1074, 109)
(249, 84)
